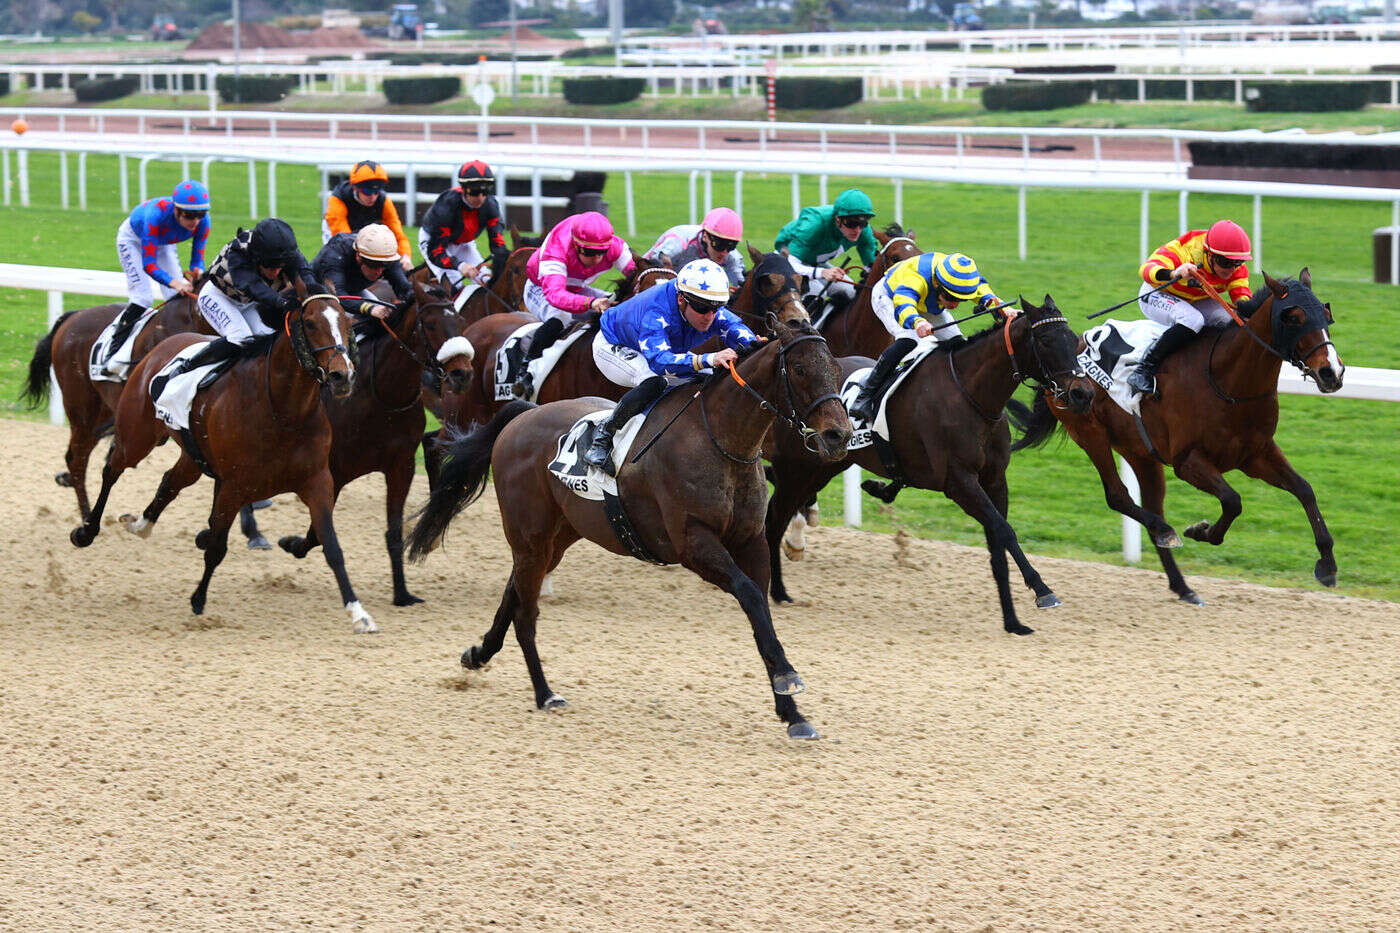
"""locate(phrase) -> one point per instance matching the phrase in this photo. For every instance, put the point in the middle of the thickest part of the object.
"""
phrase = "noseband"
(301, 344)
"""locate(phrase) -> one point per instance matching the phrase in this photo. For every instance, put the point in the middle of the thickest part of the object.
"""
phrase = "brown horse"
(261, 428)
(1218, 410)
(696, 497)
(377, 428)
(855, 330)
(949, 434)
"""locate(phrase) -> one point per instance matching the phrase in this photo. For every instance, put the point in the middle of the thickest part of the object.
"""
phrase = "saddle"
(175, 386)
(1112, 350)
(110, 359)
(515, 347)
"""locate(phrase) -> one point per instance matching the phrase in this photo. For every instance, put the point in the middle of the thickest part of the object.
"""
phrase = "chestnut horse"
(949, 434)
(713, 527)
(855, 330)
(377, 428)
(261, 428)
(1217, 411)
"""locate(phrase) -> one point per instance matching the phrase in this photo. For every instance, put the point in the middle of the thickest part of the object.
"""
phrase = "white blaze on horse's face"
(332, 316)
(1333, 359)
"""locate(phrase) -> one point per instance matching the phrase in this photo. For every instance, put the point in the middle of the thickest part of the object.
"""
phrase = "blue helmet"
(191, 195)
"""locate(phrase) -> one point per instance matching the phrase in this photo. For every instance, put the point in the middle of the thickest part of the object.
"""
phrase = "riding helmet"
(592, 230)
(273, 243)
(704, 280)
(853, 203)
(723, 223)
(376, 242)
(367, 172)
(191, 195)
(475, 172)
(1227, 238)
(958, 276)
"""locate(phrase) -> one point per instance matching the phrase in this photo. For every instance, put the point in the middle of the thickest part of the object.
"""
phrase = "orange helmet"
(368, 171)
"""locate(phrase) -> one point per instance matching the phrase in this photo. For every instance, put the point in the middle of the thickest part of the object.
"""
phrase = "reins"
(319, 374)
(1017, 377)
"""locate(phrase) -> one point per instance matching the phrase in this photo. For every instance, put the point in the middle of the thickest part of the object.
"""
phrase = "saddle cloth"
(1112, 351)
(173, 388)
(468, 287)
(117, 359)
(540, 368)
(568, 466)
(860, 437)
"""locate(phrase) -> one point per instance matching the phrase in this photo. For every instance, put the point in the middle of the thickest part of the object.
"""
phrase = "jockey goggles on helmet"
(720, 244)
(854, 221)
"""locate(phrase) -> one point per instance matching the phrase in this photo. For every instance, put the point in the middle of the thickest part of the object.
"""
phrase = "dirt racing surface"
(1135, 764)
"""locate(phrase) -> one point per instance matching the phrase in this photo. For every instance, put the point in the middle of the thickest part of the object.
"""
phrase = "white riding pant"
(466, 254)
(237, 322)
(622, 365)
(141, 289)
(883, 306)
(1166, 308)
(539, 306)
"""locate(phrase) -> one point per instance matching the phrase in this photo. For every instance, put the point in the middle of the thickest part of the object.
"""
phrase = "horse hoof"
(1047, 601)
(197, 603)
(201, 540)
(1197, 532)
(1167, 539)
(554, 703)
(365, 625)
(470, 659)
(785, 685)
(814, 517)
(781, 596)
(1016, 628)
(258, 543)
(793, 553)
(1191, 598)
(80, 536)
(64, 479)
(291, 544)
(406, 599)
(137, 525)
(803, 731)
(1326, 575)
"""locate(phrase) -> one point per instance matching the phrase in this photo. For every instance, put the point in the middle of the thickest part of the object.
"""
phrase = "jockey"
(351, 263)
(447, 238)
(1216, 256)
(361, 201)
(651, 334)
(913, 300)
(820, 234)
(716, 239)
(146, 249)
(577, 251)
(246, 279)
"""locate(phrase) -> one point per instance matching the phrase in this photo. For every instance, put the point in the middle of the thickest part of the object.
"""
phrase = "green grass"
(1082, 248)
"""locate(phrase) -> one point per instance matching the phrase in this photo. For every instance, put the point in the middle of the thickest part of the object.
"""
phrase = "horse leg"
(789, 491)
(184, 473)
(214, 541)
(398, 479)
(705, 555)
(1096, 445)
(81, 441)
(994, 481)
(249, 526)
(319, 497)
(117, 463)
(1153, 484)
(1202, 474)
(1273, 468)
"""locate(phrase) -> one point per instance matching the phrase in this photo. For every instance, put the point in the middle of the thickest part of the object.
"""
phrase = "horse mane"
(893, 230)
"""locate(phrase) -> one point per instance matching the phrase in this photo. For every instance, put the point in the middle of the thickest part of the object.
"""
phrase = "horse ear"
(909, 233)
(1327, 310)
(1275, 286)
(326, 284)
(514, 237)
(299, 284)
(770, 285)
(881, 236)
(1305, 277)
(665, 262)
(1026, 305)
(754, 254)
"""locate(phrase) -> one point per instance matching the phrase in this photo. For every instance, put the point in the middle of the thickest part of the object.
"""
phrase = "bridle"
(1292, 359)
(303, 351)
(790, 417)
(653, 270)
(1042, 381)
(432, 364)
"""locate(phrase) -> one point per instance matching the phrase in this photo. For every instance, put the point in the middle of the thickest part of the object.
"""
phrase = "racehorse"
(261, 429)
(949, 434)
(696, 497)
(377, 428)
(1218, 410)
(855, 330)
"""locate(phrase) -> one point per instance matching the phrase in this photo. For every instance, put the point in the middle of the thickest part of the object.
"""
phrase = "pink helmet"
(592, 230)
(723, 223)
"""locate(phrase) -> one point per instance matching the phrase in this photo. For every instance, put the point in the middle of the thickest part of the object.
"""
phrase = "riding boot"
(599, 453)
(541, 340)
(1143, 379)
(864, 406)
(125, 322)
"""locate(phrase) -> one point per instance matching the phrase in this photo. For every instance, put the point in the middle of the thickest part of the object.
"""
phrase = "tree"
(83, 21)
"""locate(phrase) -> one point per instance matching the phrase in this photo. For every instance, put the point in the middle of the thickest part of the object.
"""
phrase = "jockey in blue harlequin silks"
(653, 333)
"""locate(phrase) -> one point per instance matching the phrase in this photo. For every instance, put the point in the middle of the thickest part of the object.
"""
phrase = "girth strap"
(626, 532)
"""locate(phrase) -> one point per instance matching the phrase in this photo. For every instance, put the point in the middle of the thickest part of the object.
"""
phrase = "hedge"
(1358, 158)
(106, 88)
(1042, 96)
(1064, 69)
(4, 84)
(1314, 96)
(586, 51)
(253, 89)
(1160, 89)
(818, 93)
(422, 90)
(603, 90)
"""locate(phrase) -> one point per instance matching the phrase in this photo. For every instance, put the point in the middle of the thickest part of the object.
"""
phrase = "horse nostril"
(835, 437)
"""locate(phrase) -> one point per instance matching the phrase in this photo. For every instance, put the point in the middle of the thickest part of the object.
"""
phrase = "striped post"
(772, 68)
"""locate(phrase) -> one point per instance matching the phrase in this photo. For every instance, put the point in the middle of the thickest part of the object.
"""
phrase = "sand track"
(1135, 764)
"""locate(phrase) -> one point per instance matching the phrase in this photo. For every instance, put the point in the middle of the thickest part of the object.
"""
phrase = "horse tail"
(36, 387)
(462, 472)
(1036, 425)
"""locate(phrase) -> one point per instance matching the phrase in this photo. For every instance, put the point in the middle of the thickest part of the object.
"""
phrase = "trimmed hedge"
(106, 88)
(4, 84)
(1313, 97)
(585, 51)
(818, 93)
(1266, 155)
(1046, 96)
(422, 90)
(602, 91)
(1160, 89)
(1064, 69)
(253, 89)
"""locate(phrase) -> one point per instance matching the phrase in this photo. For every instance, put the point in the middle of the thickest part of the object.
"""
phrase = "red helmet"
(1227, 238)
(475, 171)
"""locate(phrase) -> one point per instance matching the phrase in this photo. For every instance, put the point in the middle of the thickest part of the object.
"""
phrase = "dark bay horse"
(1218, 410)
(377, 428)
(261, 428)
(855, 330)
(949, 434)
(696, 497)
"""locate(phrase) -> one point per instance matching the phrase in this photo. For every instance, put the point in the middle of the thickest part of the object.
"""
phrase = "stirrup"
(601, 457)
(1144, 384)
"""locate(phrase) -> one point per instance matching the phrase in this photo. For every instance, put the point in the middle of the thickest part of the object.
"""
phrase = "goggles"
(376, 263)
(856, 222)
(719, 244)
(479, 191)
(184, 214)
(701, 306)
(1225, 263)
(371, 188)
(591, 250)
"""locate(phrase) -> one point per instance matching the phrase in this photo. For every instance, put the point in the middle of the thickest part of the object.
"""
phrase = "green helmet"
(853, 201)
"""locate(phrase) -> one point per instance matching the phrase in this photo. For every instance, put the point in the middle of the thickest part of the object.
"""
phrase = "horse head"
(896, 245)
(809, 385)
(449, 351)
(1298, 322)
(645, 273)
(321, 339)
(775, 288)
(1048, 352)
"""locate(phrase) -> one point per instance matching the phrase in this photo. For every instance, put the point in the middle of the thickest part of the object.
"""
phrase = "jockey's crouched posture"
(914, 299)
(819, 235)
(360, 201)
(351, 262)
(1216, 256)
(457, 218)
(716, 238)
(651, 334)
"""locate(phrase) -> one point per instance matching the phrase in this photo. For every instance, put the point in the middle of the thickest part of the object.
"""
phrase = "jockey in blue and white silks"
(653, 334)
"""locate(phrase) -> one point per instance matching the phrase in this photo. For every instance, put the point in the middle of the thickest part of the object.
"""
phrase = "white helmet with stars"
(705, 280)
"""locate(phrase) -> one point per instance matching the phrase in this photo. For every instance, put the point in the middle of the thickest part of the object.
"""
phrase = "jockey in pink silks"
(577, 251)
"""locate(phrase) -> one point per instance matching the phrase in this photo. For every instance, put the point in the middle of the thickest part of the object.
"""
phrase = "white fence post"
(1021, 222)
(1132, 531)
(24, 178)
(5, 173)
(125, 187)
(252, 189)
(739, 192)
(631, 205)
(272, 189)
(850, 489)
(1143, 231)
(1258, 232)
(55, 393)
(63, 179)
(82, 181)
